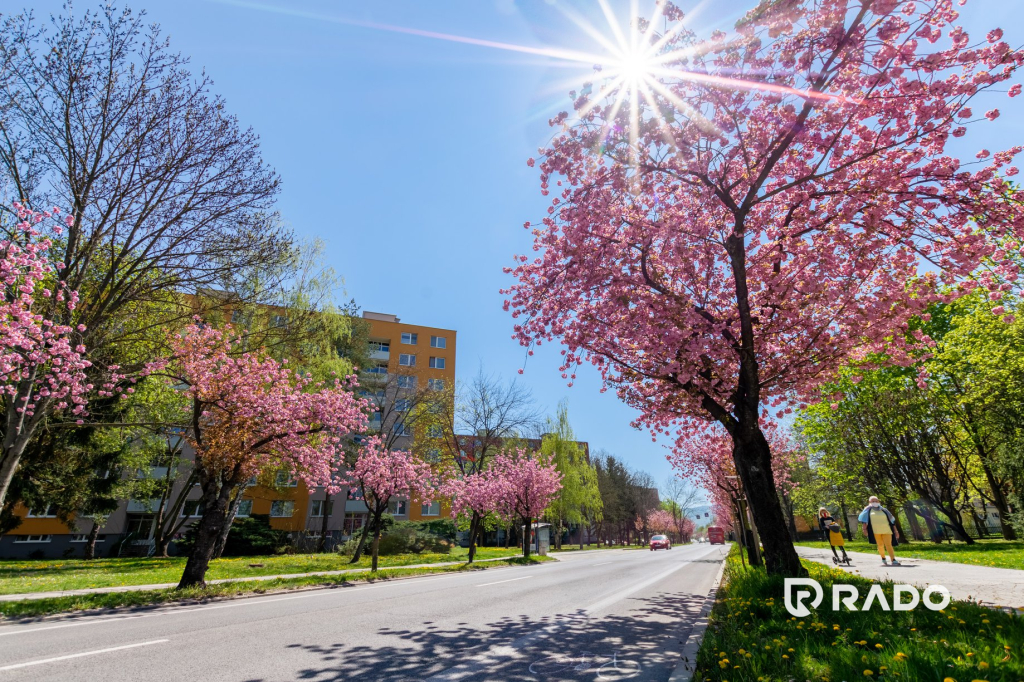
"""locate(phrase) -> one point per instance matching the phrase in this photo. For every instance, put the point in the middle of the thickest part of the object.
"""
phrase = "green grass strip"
(752, 637)
(43, 607)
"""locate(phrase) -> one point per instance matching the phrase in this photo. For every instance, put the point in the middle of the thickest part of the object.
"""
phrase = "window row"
(412, 339)
(409, 360)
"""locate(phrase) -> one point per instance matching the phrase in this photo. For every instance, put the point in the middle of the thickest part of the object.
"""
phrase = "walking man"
(880, 526)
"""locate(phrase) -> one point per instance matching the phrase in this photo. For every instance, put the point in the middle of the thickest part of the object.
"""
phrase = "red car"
(660, 542)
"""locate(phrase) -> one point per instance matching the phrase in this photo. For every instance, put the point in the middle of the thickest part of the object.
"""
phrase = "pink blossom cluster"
(381, 474)
(706, 457)
(252, 413)
(790, 206)
(40, 360)
(525, 484)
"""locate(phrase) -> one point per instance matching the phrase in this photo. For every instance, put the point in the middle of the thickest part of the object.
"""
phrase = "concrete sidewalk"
(983, 584)
(163, 586)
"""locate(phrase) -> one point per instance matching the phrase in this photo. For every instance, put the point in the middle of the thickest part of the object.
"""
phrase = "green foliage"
(248, 536)
(579, 500)
(410, 538)
(751, 636)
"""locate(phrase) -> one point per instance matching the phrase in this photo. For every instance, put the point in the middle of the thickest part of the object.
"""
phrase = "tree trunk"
(527, 535)
(915, 527)
(790, 515)
(508, 536)
(90, 545)
(375, 547)
(222, 540)
(899, 529)
(474, 524)
(752, 457)
(846, 521)
(211, 525)
(10, 456)
(321, 545)
(360, 548)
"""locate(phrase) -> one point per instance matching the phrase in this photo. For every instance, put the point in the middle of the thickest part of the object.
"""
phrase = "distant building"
(417, 353)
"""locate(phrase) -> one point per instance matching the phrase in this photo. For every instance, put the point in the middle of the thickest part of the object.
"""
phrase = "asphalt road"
(603, 615)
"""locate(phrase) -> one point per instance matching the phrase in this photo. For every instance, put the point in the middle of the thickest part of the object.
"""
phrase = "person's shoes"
(885, 562)
(896, 563)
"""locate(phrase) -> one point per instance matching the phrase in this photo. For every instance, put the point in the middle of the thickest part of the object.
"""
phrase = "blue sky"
(406, 154)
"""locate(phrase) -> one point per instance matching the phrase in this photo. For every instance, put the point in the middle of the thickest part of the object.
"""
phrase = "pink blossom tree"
(250, 414)
(474, 496)
(525, 487)
(771, 204)
(382, 474)
(42, 360)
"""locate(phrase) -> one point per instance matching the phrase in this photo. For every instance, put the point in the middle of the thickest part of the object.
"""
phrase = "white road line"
(505, 581)
(604, 563)
(252, 601)
(80, 655)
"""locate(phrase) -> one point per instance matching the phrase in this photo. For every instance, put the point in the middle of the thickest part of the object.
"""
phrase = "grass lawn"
(42, 607)
(48, 575)
(751, 636)
(998, 553)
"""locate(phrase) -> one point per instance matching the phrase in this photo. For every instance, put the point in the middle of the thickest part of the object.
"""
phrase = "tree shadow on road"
(643, 644)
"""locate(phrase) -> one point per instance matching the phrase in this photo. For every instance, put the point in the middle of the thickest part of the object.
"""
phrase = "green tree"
(579, 500)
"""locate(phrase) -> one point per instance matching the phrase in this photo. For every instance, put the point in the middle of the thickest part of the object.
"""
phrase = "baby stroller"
(835, 539)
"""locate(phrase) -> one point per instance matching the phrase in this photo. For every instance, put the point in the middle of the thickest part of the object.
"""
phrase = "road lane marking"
(505, 581)
(604, 563)
(251, 601)
(500, 653)
(41, 661)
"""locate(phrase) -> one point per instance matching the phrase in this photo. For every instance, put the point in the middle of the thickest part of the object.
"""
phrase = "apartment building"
(408, 363)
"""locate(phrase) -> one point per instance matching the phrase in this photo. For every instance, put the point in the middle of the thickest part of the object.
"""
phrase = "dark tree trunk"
(375, 547)
(222, 540)
(899, 529)
(527, 535)
(752, 457)
(211, 525)
(321, 545)
(360, 548)
(474, 525)
(90, 545)
(846, 521)
(915, 527)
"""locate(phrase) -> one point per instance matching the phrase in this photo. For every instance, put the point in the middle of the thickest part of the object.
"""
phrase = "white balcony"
(380, 355)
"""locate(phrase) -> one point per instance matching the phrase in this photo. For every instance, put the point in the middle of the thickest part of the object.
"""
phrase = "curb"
(684, 671)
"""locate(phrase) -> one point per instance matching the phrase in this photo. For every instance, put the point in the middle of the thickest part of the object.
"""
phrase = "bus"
(716, 536)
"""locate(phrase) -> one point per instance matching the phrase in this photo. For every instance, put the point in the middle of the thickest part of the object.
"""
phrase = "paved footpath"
(985, 584)
(593, 616)
(22, 596)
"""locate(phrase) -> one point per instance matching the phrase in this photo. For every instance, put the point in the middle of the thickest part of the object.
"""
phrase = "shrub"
(411, 538)
(249, 536)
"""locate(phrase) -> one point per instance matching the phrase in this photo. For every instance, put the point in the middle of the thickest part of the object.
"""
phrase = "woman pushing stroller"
(831, 527)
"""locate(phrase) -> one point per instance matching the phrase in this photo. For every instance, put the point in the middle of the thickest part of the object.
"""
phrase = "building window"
(379, 368)
(398, 507)
(406, 382)
(244, 509)
(435, 384)
(403, 404)
(409, 338)
(192, 508)
(430, 509)
(32, 538)
(380, 347)
(438, 342)
(317, 508)
(251, 482)
(282, 508)
(353, 522)
(407, 360)
(84, 537)
(285, 480)
(47, 512)
(436, 363)
(403, 430)
(433, 455)
(435, 432)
